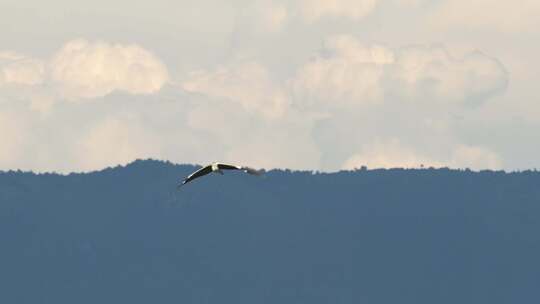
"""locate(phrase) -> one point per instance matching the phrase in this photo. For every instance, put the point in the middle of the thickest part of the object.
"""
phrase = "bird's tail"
(253, 171)
(180, 185)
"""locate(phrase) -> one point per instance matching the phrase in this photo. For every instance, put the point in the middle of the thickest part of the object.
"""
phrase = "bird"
(217, 168)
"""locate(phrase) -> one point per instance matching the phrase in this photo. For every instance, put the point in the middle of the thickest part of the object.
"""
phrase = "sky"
(309, 84)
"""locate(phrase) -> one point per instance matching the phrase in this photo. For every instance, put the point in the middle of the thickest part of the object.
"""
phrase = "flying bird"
(217, 168)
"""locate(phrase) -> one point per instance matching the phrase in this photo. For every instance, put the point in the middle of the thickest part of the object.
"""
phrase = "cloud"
(17, 69)
(354, 9)
(410, 3)
(247, 84)
(24, 79)
(83, 69)
(13, 133)
(389, 154)
(403, 90)
(228, 133)
(266, 16)
(502, 16)
(271, 16)
(430, 71)
(348, 72)
(79, 70)
(393, 154)
(115, 141)
(42, 103)
(278, 148)
(476, 158)
(343, 107)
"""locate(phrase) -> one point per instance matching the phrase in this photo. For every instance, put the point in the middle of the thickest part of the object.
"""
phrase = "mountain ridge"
(126, 235)
(314, 171)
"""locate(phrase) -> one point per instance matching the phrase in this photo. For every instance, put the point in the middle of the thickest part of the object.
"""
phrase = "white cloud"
(410, 3)
(83, 69)
(348, 72)
(393, 154)
(475, 158)
(502, 16)
(354, 9)
(17, 69)
(13, 133)
(248, 84)
(80, 69)
(389, 154)
(367, 90)
(115, 141)
(42, 103)
(271, 16)
(278, 148)
(430, 71)
(231, 135)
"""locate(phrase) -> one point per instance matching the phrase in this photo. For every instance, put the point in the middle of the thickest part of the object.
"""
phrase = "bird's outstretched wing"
(228, 167)
(243, 168)
(201, 172)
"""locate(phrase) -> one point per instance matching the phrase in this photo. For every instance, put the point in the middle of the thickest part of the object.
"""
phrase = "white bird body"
(217, 168)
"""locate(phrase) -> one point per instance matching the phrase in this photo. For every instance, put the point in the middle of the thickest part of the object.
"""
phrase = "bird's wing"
(201, 172)
(228, 167)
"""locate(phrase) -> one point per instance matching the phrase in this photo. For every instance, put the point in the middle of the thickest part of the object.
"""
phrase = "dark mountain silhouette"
(125, 235)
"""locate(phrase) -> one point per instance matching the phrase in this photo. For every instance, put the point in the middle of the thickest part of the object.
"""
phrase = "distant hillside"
(125, 235)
